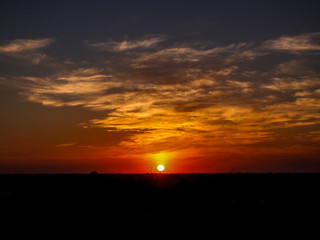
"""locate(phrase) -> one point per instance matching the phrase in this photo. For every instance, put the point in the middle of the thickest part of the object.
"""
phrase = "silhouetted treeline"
(159, 194)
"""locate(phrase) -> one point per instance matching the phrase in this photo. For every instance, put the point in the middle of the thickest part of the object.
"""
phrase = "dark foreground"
(118, 195)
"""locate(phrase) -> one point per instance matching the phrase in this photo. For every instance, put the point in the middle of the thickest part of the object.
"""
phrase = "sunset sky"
(123, 86)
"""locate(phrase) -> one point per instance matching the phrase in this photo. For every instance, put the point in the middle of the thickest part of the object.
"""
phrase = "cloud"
(67, 144)
(82, 86)
(26, 49)
(62, 89)
(293, 67)
(25, 45)
(294, 44)
(126, 45)
(185, 53)
(183, 95)
(287, 83)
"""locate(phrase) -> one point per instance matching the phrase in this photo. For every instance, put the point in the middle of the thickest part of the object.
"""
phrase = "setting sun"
(160, 168)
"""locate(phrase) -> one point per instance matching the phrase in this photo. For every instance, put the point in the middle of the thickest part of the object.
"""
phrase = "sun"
(160, 168)
(159, 160)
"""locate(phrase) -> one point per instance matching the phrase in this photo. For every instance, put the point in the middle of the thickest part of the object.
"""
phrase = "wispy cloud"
(299, 83)
(81, 86)
(26, 49)
(185, 53)
(25, 45)
(126, 45)
(67, 144)
(294, 44)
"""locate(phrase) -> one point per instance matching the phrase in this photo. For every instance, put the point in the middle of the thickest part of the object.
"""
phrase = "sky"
(123, 86)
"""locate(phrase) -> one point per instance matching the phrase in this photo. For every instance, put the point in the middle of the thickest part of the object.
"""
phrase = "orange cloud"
(197, 102)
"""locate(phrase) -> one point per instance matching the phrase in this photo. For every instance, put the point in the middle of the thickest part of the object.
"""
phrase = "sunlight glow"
(161, 156)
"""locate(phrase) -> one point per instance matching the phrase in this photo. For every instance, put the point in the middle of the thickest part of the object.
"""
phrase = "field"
(117, 195)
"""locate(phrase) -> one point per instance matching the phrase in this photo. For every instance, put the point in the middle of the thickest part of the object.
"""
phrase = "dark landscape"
(118, 195)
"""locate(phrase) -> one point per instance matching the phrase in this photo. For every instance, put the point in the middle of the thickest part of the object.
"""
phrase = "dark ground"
(159, 194)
